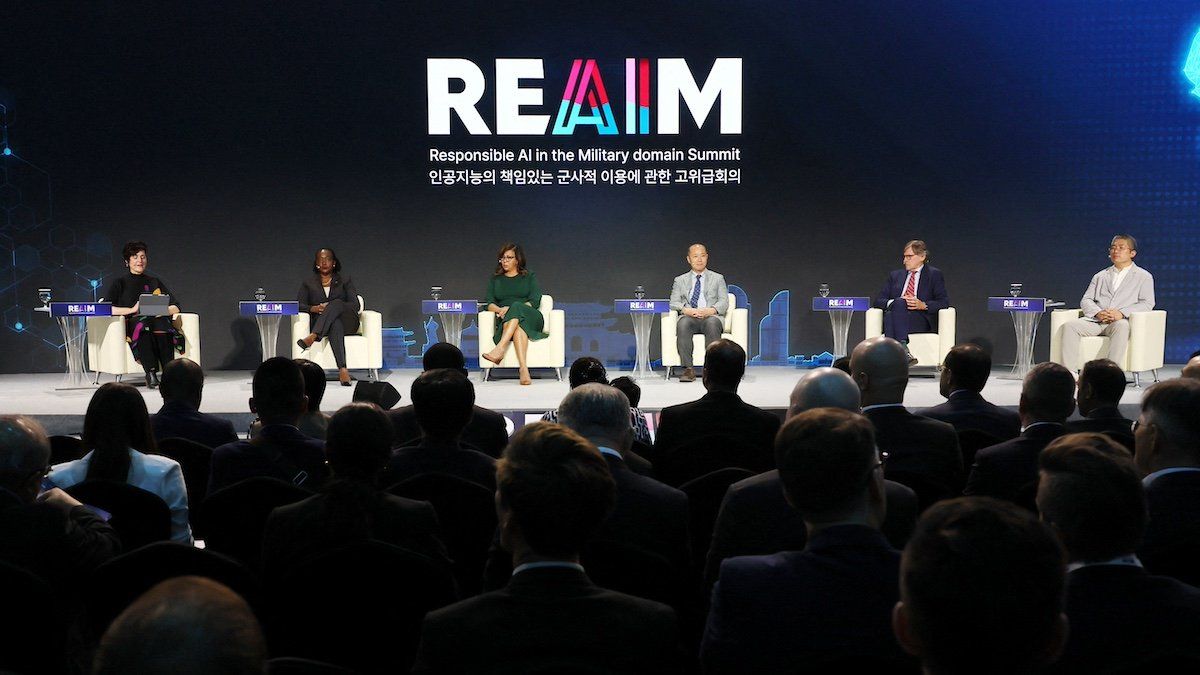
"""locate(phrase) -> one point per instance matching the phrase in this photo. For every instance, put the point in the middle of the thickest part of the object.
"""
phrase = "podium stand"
(1025, 312)
(642, 313)
(840, 310)
(268, 314)
(452, 313)
(72, 321)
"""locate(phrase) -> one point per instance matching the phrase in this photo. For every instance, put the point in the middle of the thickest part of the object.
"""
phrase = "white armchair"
(929, 349)
(1147, 343)
(364, 349)
(550, 352)
(736, 328)
(108, 352)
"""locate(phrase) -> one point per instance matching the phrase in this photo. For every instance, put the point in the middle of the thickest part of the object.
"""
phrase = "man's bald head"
(824, 388)
(1192, 368)
(24, 453)
(880, 367)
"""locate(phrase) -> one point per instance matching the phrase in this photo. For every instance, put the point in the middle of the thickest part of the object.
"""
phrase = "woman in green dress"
(513, 294)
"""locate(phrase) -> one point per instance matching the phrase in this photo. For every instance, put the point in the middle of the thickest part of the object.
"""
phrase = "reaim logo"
(585, 101)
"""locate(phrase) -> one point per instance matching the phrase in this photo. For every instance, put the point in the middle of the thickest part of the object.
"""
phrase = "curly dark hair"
(516, 249)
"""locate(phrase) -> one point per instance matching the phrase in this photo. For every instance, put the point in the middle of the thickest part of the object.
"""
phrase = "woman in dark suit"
(153, 339)
(332, 301)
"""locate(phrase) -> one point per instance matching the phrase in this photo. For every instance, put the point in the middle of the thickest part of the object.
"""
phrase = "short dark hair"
(918, 248)
(443, 400)
(314, 382)
(116, 420)
(133, 248)
(982, 582)
(192, 624)
(724, 364)
(587, 369)
(1049, 392)
(278, 390)
(1106, 379)
(1128, 240)
(825, 457)
(24, 449)
(627, 386)
(970, 365)
(1090, 491)
(337, 264)
(1174, 405)
(557, 487)
(842, 363)
(182, 380)
(444, 355)
(358, 441)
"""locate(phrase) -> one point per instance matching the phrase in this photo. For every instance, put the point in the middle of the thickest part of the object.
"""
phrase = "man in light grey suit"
(1114, 294)
(701, 298)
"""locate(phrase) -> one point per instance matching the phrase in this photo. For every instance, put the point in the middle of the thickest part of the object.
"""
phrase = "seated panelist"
(912, 297)
(515, 297)
(701, 298)
(332, 301)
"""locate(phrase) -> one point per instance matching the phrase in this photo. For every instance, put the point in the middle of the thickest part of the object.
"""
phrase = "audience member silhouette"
(442, 400)
(312, 421)
(486, 431)
(121, 447)
(755, 517)
(805, 610)
(1191, 369)
(922, 453)
(179, 417)
(1099, 390)
(965, 371)
(1168, 455)
(554, 492)
(1092, 497)
(184, 626)
(981, 590)
(1009, 470)
(46, 532)
(350, 508)
(280, 450)
(587, 369)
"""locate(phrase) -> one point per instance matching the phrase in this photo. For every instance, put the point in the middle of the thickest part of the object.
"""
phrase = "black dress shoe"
(154, 376)
(151, 383)
(301, 345)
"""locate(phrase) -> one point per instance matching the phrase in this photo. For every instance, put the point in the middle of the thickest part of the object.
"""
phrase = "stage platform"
(226, 392)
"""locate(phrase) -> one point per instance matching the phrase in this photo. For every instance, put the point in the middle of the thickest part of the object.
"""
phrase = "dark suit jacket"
(923, 453)
(776, 613)
(1120, 613)
(486, 431)
(1009, 470)
(550, 617)
(1102, 420)
(313, 293)
(718, 413)
(931, 287)
(460, 461)
(1171, 544)
(279, 451)
(966, 409)
(327, 521)
(176, 419)
(755, 519)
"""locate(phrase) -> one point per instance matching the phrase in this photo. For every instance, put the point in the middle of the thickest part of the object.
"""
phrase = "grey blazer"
(1136, 293)
(716, 295)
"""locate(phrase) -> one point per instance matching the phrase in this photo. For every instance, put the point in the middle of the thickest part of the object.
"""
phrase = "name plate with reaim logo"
(628, 306)
(449, 306)
(269, 308)
(81, 309)
(820, 304)
(1009, 304)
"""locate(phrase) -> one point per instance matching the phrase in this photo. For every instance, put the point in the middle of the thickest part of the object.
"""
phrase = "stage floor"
(227, 392)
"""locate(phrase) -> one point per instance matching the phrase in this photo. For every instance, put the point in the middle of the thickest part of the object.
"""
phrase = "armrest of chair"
(487, 328)
(874, 323)
(189, 325)
(1058, 318)
(667, 331)
(947, 330)
(370, 324)
(106, 341)
(1147, 340)
(300, 328)
(739, 329)
(558, 337)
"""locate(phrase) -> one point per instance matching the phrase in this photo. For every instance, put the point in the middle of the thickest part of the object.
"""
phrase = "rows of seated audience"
(856, 536)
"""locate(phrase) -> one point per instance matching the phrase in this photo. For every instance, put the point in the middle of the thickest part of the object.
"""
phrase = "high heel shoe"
(151, 382)
(305, 342)
(525, 378)
(344, 377)
(494, 359)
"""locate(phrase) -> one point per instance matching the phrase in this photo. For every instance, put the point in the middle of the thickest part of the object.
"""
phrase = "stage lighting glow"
(1191, 65)
(95, 283)
(19, 326)
(8, 151)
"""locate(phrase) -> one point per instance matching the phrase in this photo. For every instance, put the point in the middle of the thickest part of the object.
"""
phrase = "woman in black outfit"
(153, 339)
(333, 303)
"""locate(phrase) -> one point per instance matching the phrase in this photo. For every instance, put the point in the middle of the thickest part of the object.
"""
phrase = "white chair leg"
(1155, 373)
(1137, 380)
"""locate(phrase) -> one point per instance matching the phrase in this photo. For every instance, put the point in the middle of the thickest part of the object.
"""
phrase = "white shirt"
(326, 289)
(916, 275)
(701, 302)
(1120, 276)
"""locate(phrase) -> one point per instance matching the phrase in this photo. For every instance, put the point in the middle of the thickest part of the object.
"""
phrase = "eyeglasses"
(906, 256)
(1137, 424)
(1118, 248)
(507, 257)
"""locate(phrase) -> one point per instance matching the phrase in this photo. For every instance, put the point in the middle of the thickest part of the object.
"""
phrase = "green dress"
(514, 293)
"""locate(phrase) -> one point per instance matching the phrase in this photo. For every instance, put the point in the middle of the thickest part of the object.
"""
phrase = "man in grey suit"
(701, 298)
(1114, 294)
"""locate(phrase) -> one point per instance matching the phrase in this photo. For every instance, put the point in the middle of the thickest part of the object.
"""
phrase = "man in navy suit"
(802, 610)
(180, 416)
(1168, 455)
(1101, 386)
(965, 371)
(1120, 614)
(911, 297)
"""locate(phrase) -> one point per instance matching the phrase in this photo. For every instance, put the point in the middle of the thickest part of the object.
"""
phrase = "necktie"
(910, 287)
(696, 291)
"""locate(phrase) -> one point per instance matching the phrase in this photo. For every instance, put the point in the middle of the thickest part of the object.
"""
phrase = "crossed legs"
(520, 341)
